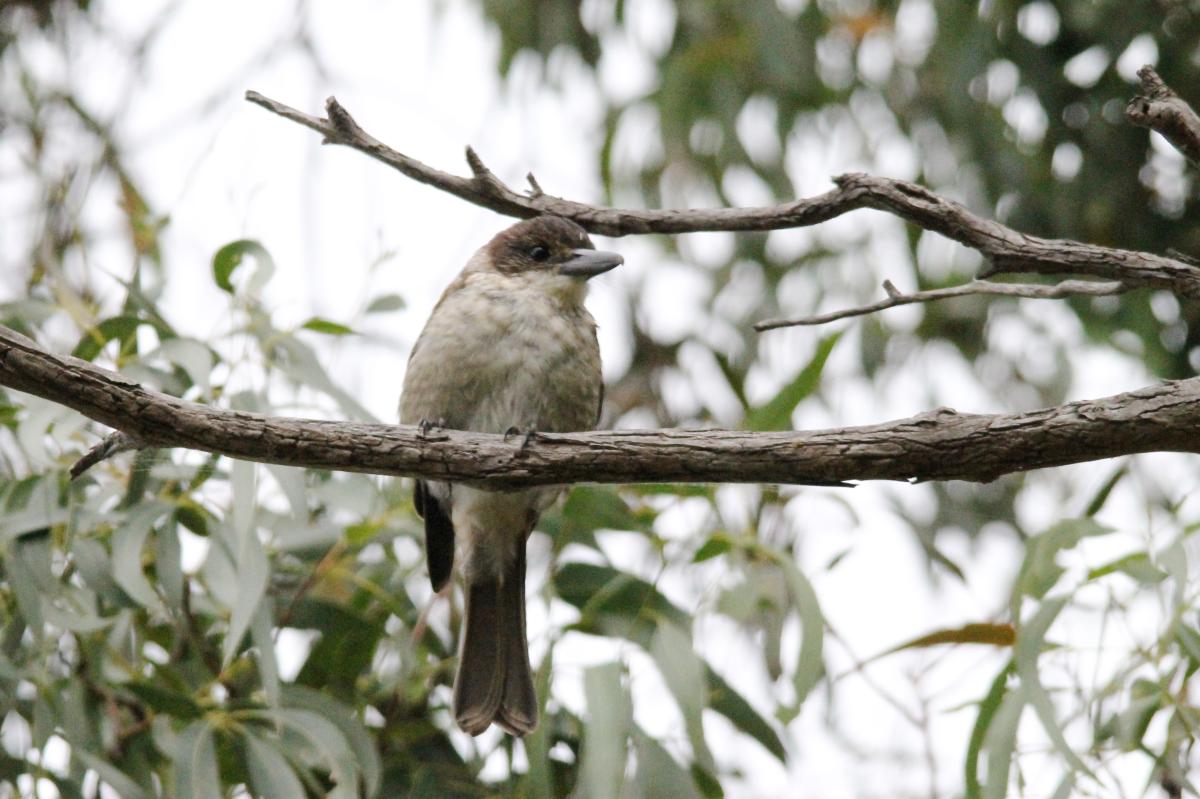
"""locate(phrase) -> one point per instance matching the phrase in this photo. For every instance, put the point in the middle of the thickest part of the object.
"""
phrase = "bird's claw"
(425, 426)
(526, 436)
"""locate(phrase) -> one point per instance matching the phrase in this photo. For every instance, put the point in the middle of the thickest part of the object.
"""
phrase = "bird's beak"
(589, 263)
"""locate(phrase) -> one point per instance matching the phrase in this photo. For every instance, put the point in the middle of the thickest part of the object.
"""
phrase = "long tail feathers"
(494, 682)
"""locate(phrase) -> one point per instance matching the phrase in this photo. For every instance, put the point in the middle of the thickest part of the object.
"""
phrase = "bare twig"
(328, 560)
(1067, 288)
(1183, 256)
(112, 444)
(535, 188)
(1008, 250)
(940, 445)
(1161, 109)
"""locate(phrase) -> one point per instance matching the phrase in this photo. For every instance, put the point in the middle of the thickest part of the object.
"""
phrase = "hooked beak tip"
(589, 263)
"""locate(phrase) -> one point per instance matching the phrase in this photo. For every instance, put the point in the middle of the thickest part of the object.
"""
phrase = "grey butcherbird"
(509, 346)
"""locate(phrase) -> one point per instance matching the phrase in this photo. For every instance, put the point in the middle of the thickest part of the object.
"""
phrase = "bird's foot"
(526, 436)
(425, 427)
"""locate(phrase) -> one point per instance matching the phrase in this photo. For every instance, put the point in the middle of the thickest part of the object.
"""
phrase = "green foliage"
(150, 670)
(1116, 715)
(777, 413)
(319, 325)
(230, 257)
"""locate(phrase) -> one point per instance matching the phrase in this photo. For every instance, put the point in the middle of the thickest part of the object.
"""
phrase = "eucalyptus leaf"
(1000, 742)
(194, 357)
(602, 772)
(326, 742)
(29, 557)
(1040, 570)
(124, 785)
(658, 774)
(159, 695)
(1145, 699)
(127, 547)
(1136, 565)
(386, 302)
(117, 328)
(299, 362)
(230, 257)
(715, 545)
(360, 742)
(263, 640)
(683, 673)
(271, 775)
(252, 572)
(615, 603)
(33, 432)
(1030, 640)
(292, 482)
(168, 563)
(810, 663)
(95, 567)
(75, 618)
(724, 699)
(777, 414)
(195, 760)
(539, 780)
(37, 508)
(319, 324)
(619, 604)
(219, 573)
(988, 708)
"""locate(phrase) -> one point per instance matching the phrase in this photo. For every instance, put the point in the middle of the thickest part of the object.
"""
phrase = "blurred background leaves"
(149, 608)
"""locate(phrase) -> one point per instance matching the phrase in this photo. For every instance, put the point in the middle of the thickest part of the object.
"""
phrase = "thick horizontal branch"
(1007, 249)
(941, 445)
(1161, 109)
(1034, 291)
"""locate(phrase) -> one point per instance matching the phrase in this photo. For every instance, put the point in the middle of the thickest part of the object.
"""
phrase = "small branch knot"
(535, 190)
(341, 120)
(483, 177)
(1153, 86)
(1160, 109)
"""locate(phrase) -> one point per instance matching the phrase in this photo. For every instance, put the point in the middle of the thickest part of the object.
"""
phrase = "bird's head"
(550, 253)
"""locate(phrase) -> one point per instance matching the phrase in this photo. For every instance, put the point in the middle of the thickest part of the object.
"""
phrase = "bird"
(511, 349)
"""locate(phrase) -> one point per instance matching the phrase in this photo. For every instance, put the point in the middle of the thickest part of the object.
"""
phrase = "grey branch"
(1037, 291)
(1008, 250)
(110, 445)
(940, 445)
(1161, 109)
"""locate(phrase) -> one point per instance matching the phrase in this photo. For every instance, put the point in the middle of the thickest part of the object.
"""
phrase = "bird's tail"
(494, 682)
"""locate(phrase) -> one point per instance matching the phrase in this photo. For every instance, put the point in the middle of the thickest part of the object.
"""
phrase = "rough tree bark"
(940, 445)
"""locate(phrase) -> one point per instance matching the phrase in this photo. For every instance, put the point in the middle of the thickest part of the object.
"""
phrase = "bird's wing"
(439, 535)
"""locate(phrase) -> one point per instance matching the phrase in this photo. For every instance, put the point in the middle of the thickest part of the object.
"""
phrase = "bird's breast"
(489, 360)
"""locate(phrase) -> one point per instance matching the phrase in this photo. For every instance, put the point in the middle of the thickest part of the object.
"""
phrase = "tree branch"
(110, 445)
(940, 445)
(1161, 109)
(1008, 250)
(1037, 291)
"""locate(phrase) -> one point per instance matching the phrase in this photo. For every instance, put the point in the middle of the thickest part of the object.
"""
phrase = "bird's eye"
(539, 253)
